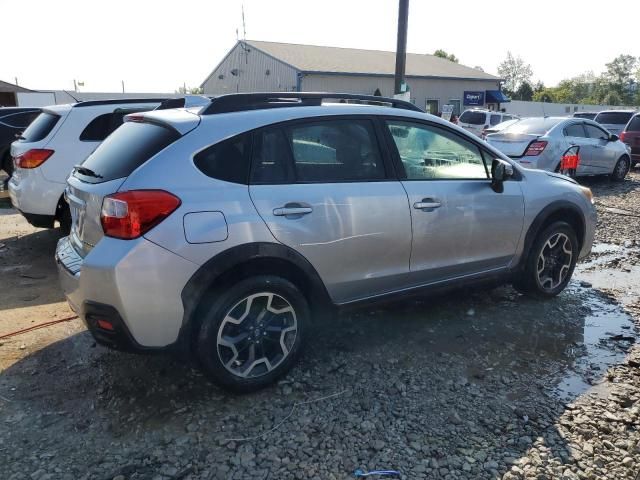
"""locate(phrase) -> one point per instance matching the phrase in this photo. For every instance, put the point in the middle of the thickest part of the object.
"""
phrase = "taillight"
(32, 158)
(535, 148)
(128, 215)
(622, 135)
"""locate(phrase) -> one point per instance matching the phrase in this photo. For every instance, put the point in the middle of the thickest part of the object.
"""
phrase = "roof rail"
(116, 101)
(236, 102)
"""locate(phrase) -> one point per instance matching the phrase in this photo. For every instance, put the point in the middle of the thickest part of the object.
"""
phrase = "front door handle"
(285, 211)
(427, 204)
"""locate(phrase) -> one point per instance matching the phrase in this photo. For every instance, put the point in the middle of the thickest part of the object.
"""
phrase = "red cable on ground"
(40, 325)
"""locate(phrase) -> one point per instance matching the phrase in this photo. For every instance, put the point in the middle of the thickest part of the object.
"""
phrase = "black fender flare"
(552, 210)
(236, 258)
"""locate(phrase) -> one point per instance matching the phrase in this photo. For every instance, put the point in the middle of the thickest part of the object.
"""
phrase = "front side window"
(597, 133)
(335, 151)
(433, 153)
(575, 130)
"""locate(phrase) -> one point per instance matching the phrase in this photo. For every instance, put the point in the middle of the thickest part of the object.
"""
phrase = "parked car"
(59, 138)
(614, 120)
(13, 121)
(476, 120)
(540, 142)
(631, 136)
(587, 115)
(499, 127)
(223, 230)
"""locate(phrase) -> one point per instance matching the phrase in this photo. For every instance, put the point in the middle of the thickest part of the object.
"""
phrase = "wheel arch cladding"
(556, 211)
(241, 262)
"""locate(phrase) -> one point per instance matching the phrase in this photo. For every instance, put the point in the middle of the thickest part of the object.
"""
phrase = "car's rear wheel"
(621, 169)
(252, 333)
(551, 261)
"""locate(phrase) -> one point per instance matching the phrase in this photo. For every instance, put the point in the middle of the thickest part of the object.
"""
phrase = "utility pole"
(75, 85)
(16, 81)
(122, 85)
(401, 49)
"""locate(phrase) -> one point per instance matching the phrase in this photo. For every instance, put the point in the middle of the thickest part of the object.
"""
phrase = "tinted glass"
(495, 119)
(271, 158)
(19, 120)
(101, 127)
(228, 160)
(506, 118)
(335, 151)
(534, 126)
(433, 153)
(595, 132)
(575, 130)
(129, 147)
(590, 116)
(634, 125)
(40, 127)
(474, 118)
(614, 118)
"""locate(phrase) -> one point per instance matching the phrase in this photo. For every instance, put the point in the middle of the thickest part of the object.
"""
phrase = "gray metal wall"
(255, 72)
(421, 88)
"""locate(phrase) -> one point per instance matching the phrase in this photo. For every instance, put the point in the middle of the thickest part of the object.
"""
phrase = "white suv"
(61, 137)
(476, 120)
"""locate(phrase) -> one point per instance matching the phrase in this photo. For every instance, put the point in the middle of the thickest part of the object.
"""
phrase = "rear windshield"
(533, 126)
(634, 125)
(40, 127)
(125, 150)
(474, 118)
(590, 116)
(614, 118)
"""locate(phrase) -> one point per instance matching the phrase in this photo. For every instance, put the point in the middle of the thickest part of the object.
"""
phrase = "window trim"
(397, 161)
(390, 173)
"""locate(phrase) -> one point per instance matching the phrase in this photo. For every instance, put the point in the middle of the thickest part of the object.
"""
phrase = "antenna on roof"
(71, 95)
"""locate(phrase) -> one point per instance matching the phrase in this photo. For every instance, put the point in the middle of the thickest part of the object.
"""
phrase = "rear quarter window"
(228, 160)
(125, 150)
(40, 127)
(473, 118)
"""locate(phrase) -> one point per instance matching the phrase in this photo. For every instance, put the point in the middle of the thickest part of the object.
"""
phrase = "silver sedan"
(541, 142)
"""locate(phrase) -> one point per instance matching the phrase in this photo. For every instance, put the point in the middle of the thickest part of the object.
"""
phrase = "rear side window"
(495, 119)
(614, 118)
(271, 158)
(40, 127)
(634, 125)
(19, 120)
(101, 127)
(575, 130)
(129, 147)
(335, 151)
(228, 160)
(474, 118)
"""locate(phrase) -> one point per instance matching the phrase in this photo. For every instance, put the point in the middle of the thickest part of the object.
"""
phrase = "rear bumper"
(34, 195)
(134, 284)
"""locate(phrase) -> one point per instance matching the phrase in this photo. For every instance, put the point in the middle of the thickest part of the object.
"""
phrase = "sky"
(157, 46)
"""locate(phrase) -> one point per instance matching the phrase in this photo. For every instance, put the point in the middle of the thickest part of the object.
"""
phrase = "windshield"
(474, 118)
(614, 118)
(40, 127)
(532, 126)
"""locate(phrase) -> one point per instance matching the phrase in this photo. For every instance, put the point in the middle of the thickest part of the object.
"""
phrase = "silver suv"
(225, 230)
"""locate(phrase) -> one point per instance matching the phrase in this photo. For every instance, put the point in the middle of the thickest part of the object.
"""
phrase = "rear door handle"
(284, 211)
(427, 203)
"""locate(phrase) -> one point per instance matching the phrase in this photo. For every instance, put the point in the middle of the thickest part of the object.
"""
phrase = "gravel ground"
(476, 385)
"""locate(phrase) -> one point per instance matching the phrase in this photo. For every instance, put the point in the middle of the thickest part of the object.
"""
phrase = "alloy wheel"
(622, 168)
(554, 261)
(257, 334)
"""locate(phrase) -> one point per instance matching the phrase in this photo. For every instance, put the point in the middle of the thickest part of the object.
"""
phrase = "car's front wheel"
(621, 169)
(252, 333)
(551, 261)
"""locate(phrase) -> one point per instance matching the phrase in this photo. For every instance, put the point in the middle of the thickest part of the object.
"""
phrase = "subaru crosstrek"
(224, 230)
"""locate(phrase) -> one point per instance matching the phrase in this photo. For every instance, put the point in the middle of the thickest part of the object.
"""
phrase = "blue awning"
(496, 96)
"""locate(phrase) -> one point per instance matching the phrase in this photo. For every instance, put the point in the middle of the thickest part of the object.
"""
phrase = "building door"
(433, 107)
(456, 106)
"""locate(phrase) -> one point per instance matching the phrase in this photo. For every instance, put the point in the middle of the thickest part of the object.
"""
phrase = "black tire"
(218, 360)
(7, 164)
(64, 217)
(621, 169)
(530, 282)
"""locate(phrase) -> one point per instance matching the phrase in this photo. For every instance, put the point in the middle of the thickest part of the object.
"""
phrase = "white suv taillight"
(32, 158)
(128, 215)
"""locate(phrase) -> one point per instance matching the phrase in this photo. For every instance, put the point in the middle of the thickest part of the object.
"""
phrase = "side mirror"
(500, 171)
(614, 137)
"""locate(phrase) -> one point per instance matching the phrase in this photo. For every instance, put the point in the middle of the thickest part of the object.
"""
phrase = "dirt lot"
(482, 384)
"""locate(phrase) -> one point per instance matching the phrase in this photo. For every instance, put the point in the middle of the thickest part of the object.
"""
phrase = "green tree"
(524, 92)
(190, 90)
(620, 72)
(546, 95)
(514, 71)
(612, 98)
(448, 56)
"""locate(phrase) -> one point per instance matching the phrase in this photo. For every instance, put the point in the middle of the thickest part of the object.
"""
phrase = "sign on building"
(447, 111)
(473, 98)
